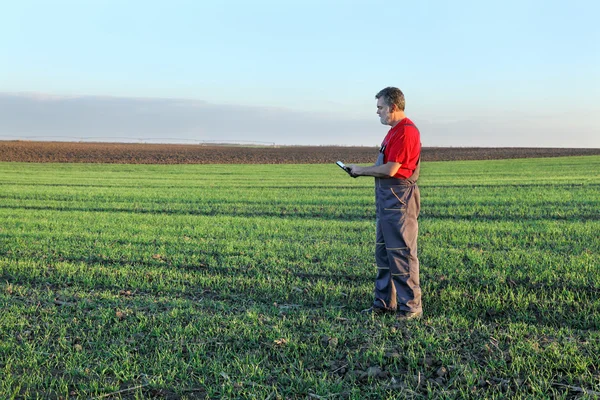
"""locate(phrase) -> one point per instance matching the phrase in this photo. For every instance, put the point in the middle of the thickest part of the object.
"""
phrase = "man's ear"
(393, 108)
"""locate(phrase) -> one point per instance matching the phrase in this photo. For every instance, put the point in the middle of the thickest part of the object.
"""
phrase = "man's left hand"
(354, 170)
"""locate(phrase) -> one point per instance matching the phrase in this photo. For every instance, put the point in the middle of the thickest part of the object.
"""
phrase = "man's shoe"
(407, 315)
(378, 311)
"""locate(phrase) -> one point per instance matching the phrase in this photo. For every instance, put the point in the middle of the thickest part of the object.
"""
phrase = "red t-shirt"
(403, 145)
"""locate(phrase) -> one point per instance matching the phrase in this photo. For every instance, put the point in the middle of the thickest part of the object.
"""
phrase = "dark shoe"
(378, 311)
(407, 315)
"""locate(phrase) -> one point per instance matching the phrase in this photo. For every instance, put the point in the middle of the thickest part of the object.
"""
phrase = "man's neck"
(397, 119)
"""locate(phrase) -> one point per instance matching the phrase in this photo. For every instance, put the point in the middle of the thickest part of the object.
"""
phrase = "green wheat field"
(247, 281)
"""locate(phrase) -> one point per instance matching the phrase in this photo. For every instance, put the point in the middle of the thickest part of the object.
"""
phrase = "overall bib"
(397, 204)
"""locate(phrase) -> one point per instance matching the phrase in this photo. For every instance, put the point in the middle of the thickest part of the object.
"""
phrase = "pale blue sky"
(516, 73)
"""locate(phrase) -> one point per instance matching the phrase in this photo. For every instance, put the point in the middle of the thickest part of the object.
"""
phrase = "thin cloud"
(52, 117)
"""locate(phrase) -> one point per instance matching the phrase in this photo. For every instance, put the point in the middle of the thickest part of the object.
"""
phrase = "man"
(397, 201)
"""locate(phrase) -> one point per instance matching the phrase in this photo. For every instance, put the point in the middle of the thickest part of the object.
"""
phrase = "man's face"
(383, 110)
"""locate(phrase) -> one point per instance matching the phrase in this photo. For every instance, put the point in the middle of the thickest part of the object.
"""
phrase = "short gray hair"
(392, 95)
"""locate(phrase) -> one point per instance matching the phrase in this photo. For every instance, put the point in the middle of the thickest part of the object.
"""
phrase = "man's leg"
(399, 228)
(385, 291)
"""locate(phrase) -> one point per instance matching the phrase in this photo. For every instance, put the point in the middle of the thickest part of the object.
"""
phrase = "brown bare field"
(127, 153)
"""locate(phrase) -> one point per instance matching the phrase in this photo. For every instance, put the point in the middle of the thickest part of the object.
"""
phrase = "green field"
(247, 281)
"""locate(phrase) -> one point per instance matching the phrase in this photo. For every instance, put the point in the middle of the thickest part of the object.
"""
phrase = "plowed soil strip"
(127, 153)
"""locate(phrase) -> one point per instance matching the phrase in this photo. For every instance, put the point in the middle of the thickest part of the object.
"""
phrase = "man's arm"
(386, 170)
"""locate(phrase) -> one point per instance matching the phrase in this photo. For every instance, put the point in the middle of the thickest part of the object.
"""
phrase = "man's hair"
(392, 95)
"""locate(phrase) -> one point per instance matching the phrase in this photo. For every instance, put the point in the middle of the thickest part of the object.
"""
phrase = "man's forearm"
(378, 171)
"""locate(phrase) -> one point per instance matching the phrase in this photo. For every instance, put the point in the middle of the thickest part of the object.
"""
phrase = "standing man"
(397, 201)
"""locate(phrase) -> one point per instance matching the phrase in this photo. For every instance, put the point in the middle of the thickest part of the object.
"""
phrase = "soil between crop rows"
(129, 153)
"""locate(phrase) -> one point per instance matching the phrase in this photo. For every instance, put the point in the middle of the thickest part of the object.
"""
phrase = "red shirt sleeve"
(404, 148)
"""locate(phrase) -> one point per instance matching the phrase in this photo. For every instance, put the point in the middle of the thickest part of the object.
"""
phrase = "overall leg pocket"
(397, 198)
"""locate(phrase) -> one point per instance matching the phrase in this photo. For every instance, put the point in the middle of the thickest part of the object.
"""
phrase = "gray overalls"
(398, 202)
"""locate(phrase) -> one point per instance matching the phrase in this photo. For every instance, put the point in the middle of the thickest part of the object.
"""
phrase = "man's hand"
(354, 170)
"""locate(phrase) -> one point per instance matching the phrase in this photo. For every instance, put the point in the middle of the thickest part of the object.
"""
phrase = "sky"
(494, 74)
